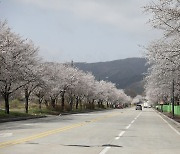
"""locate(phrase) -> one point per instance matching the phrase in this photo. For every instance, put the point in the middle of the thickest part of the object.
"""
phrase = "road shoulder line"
(175, 130)
(105, 150)
(175, 122)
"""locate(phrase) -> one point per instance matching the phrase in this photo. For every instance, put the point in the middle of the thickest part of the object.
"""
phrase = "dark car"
(138, 107)
(119, 106)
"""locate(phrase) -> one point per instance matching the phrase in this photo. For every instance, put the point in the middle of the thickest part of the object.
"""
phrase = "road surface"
(119, 131)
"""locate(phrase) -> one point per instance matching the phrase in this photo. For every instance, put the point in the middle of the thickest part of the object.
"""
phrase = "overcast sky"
(81, 30)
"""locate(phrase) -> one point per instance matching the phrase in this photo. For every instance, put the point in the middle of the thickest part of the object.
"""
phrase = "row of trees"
(22, 71)
(163, 55)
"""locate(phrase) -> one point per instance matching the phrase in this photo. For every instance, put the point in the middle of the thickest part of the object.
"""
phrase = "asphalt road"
(120, 131)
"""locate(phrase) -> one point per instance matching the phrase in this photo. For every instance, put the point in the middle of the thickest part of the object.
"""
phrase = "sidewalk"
(175, 120)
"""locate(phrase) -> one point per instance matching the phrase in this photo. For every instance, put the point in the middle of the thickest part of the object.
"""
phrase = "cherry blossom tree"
(166, 15)
(21, 69)
(163, 55)
(39, 73)
(17, 60)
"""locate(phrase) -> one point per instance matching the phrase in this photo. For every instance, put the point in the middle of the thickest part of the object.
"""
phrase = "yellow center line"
(54, 131)
(40, 135)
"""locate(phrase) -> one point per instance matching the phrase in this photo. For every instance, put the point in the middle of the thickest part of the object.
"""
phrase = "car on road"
(119, 106)
(138, 107)
(146, 105)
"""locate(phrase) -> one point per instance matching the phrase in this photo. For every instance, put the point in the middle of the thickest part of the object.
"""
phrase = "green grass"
(17, 110)
(43, 111)
(33, 112)
(12, 114)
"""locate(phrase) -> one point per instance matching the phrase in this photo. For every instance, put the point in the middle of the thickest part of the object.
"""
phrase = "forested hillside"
(126, 73)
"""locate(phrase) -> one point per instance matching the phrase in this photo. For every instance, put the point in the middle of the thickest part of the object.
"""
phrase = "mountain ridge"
(125, 73)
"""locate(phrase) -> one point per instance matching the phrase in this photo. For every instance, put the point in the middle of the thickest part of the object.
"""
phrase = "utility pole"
(72, 63)
(173, 99)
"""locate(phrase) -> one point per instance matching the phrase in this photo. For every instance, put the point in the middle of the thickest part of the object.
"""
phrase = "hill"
(127, 73)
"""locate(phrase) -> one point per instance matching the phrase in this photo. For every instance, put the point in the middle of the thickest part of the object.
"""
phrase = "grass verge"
(13, 114)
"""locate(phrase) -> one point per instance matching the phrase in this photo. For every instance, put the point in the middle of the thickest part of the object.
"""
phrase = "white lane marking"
(128, 126)
(169, 125)
(177, 123)
(138, 115)
(6, 134)
(132, 121)
(105, 150)
(29, 124)
(121, 134)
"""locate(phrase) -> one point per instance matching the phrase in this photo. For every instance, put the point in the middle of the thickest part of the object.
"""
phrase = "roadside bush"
(103, 106)
(67, 107)
(16, 104)
(90, 106)
(33, 105)
(58, 108)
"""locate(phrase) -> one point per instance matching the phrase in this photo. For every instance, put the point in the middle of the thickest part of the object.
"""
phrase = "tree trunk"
(77, 102)
(71, 102)
(53, 102)
(81, 105)
(99, 104)
(92, 104)
(40, 101)
(27, 104)
(56, 101)
(62, 100)
(6, 99)
(27, 100)
(89, 104)
(107, 105)
(46, 103)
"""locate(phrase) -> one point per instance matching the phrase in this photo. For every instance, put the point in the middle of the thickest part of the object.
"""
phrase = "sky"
(81, 30)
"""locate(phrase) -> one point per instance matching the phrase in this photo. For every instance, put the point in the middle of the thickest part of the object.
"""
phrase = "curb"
(87, 111)
(172, 120)
(20, 118)
(43, 116)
